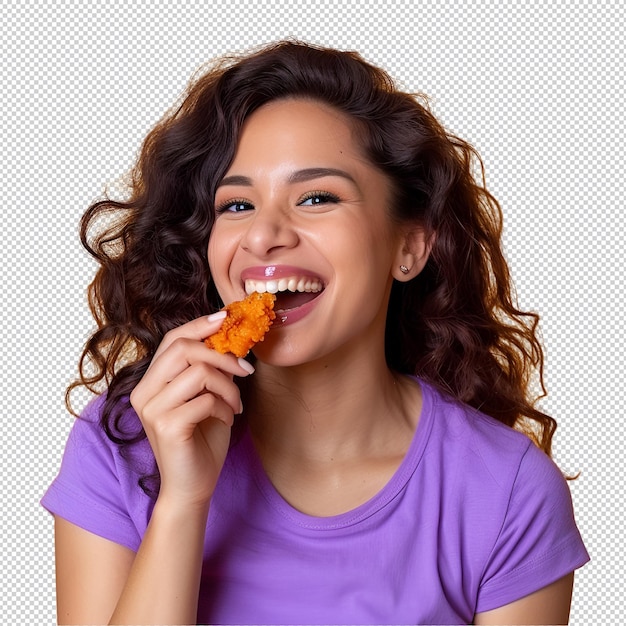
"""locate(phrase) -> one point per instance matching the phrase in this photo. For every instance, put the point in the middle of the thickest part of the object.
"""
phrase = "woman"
(369, 467)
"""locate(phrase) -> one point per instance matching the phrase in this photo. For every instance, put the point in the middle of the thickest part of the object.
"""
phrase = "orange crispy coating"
(246, 324)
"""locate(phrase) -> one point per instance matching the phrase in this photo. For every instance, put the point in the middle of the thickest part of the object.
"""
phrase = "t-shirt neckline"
(377, 502)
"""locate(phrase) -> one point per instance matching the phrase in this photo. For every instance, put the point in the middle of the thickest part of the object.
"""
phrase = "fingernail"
(240, 407)
(216, 317)
(246, 366)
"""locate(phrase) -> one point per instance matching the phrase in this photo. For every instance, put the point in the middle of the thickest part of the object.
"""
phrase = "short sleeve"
(95, 488)
(539, 541)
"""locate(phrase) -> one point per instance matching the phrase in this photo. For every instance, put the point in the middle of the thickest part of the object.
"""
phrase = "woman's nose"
(270, 229)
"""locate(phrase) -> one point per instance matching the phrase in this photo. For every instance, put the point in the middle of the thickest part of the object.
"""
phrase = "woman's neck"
(323, 410)
(331, 436)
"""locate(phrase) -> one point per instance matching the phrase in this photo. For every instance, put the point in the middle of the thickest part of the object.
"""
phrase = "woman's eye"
(234, 206)
(317, 198)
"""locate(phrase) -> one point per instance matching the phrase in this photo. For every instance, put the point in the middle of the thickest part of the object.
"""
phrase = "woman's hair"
(456, 325)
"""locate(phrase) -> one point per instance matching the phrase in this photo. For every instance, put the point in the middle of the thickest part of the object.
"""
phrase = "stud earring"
(404, 269)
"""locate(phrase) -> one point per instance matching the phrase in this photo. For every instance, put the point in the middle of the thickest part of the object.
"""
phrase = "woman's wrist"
(172, 509)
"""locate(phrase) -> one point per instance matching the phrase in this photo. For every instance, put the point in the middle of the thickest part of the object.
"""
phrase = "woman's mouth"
(295, 295)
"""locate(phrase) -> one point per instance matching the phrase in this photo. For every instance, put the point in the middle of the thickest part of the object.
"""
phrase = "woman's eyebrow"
(298, 176)
(318, 172)
(235, 180)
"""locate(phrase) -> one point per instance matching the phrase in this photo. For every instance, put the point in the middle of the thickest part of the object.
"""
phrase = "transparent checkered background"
(538, 87)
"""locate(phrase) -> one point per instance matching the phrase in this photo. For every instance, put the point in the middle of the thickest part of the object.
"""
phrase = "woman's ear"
(413, 252)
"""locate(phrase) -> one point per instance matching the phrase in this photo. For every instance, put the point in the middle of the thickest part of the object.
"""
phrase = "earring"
(404, 269)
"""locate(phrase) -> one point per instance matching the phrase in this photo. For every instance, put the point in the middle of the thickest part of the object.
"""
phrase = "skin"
(322, 440)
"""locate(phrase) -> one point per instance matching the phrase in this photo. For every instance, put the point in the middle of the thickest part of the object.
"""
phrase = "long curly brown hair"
(456, 325)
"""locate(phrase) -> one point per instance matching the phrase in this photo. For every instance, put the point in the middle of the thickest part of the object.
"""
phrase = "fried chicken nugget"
(245, 325)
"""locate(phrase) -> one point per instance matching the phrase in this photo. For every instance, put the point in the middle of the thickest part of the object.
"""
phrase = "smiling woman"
(311, 199)
(379, 458)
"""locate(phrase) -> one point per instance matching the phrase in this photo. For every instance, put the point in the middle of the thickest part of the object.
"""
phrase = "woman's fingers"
(197, 330)
(182, 349)
(188, 416)
(197, 379)
(199, 369)
(184, 352)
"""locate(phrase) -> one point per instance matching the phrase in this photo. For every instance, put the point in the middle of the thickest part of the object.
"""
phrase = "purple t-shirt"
(474, 518)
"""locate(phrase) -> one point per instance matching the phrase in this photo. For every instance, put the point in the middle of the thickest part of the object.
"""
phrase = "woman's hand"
(187, 401)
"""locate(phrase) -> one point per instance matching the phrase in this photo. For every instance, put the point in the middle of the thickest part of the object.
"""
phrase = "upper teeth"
(283, 284)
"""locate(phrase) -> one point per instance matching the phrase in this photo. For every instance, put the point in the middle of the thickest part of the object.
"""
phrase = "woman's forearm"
(164, 581)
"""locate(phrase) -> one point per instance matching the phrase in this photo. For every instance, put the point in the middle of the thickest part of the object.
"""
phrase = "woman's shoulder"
(87, 429)
(97, 487)
(456, 421)
(508, 495)
(487, 451)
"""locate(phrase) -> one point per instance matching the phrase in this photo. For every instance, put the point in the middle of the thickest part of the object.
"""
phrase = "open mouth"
(291, 293)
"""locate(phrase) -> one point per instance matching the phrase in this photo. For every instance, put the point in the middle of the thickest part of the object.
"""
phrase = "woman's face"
(302, 212)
